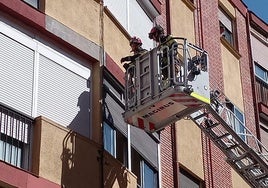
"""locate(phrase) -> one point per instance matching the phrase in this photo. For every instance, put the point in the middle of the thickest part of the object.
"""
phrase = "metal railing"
(246, 135)
(15, 137)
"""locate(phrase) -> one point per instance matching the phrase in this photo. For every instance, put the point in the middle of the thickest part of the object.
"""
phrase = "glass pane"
(187, 180)
(149, 181)
(34, 3)
(239, 123)
(136, 165)
(109, 139)
(121, 148)
(10, 153)
(2, 149)
(261, 73)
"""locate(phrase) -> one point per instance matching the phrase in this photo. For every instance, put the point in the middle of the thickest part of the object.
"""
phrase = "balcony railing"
(261, 91)
(15, 137)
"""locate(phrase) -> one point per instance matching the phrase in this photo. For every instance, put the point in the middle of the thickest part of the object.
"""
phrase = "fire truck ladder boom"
(244, 152)
(171, 82)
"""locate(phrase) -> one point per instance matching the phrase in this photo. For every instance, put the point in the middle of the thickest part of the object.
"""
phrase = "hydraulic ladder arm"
(152, 103)
(244, 152)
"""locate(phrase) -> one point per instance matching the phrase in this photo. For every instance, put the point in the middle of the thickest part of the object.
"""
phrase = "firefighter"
(136, 47)
(157, 34)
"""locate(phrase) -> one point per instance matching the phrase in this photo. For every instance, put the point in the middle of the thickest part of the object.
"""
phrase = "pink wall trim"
(23, 11)
(20, 178)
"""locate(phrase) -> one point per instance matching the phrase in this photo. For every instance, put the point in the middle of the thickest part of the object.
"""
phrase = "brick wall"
(246, 79)
(167, 174)
(166, 158)
(217, 171)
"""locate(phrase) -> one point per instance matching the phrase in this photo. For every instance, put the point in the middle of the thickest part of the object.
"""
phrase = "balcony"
(15, 138)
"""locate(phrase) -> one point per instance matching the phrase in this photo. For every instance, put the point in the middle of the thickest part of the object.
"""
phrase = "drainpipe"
(168, 17)
(174, 154)
(101, 92)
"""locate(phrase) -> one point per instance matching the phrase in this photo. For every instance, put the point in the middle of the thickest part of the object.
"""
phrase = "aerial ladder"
(169, 83)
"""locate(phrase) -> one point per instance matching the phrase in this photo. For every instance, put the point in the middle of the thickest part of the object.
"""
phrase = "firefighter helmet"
(135, 40)
(156, 31)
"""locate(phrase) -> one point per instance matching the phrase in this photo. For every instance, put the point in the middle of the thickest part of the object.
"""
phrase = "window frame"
(190, 176)
(138, 168)
(109, 142)
(33, 3)
(115, 91)
(225, 34)
(265, 72)
(239, 123)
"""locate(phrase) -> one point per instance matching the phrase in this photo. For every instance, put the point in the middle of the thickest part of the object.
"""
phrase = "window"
(261, 84)
(15, 138)
(261, 73)
(115, 143)
(120, 139)
(226, 27)
(149, 176)
(188, 180)
(69, 100)
(146, 175)
(133, 16)
(236, 118)
(109, 139)
(33, 3)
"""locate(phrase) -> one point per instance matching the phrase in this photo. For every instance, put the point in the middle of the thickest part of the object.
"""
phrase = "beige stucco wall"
(64, 157)
(238, 182)
(116, 175)
(82, 16)
(228, 6)
(182, 20)
(190, 146)
(232, 77)
(72, 160)
(188, 135)
(116, 43)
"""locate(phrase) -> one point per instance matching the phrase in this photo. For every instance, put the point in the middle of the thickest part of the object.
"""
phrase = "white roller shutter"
(37, 80)
(16, 72)
(140, 24)
(133, 18)
(225, 20)
(63, 96)
(119, 10)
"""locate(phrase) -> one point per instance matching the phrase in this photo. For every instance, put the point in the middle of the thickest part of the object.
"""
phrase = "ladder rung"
(248, 167)
(212, 126)
(240, 157)
(221, 137)
(264, 182)
(200, 116)
(232, 147)
(261, 176)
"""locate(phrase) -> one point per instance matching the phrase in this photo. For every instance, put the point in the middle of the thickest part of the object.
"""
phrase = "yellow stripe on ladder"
(201, 98)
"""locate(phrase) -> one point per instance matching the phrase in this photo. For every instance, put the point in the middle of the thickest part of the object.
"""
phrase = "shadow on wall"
(85, 164)
(80, 162)
(81, 122)
(80, 156)
(115, 174)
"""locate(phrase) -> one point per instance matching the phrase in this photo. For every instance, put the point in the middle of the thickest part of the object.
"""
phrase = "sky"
(259, 7)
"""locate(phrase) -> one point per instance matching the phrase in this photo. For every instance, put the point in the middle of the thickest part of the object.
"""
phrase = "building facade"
(258, 41)
(62, 92)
